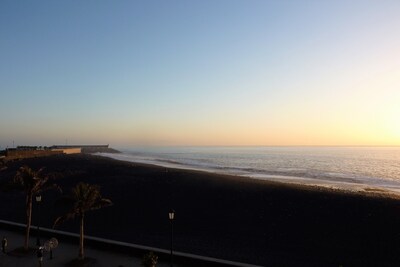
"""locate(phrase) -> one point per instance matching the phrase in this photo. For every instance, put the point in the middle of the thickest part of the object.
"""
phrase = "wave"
(227, 164)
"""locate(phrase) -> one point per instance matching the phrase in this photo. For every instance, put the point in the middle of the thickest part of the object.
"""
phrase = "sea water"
(351, 168)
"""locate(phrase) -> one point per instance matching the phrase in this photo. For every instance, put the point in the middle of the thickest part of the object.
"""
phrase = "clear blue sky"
(200, 72)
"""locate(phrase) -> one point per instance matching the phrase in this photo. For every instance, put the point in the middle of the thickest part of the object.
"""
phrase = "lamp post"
(171, 216)
(38, 201)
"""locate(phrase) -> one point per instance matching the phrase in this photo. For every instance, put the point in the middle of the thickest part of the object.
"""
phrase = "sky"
(200, 73)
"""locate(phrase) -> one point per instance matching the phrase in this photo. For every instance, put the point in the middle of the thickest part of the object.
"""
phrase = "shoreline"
(301, 182)
(227, 217)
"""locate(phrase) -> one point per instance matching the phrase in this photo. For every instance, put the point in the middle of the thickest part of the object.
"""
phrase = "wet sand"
(227, 217)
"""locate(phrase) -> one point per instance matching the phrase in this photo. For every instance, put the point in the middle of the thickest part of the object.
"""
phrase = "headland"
(24, 152)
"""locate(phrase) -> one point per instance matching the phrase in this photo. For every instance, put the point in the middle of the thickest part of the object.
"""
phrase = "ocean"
(346, 168)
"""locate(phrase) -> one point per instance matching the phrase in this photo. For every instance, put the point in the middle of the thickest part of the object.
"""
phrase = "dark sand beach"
(227, 217)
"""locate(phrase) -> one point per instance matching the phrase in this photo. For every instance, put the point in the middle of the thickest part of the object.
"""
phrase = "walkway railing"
(180, 257)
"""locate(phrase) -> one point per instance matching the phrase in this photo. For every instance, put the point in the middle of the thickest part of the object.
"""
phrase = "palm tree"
(85, 197)
(32, 182)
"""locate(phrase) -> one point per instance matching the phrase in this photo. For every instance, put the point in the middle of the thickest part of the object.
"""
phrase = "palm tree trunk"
(81, 236)
(28, 219)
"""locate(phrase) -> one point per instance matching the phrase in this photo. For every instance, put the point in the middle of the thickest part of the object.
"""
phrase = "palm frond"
(84, 197)
(101, 203)
(59, 220)
(33, 181)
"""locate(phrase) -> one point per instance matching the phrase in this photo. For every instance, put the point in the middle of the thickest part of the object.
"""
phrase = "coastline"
(301, 182)
(227, 217)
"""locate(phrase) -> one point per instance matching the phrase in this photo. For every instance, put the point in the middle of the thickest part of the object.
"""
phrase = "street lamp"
(38, 201)
(171, 216)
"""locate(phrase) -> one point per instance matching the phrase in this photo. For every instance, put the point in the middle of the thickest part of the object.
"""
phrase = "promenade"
(103, 252)
(64, 253)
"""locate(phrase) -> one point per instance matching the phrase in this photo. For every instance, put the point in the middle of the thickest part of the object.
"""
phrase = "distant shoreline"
(24, 152)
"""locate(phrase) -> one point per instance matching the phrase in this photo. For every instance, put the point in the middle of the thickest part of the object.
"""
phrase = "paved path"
(64, 253)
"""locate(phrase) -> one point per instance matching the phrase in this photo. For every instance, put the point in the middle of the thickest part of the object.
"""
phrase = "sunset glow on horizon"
(205, 73)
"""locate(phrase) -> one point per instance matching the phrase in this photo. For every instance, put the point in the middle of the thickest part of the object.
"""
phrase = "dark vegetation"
(31, 182)
(83, 198)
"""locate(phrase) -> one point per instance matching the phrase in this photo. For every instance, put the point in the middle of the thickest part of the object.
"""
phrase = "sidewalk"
(104, 252)
(64, 253)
